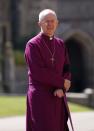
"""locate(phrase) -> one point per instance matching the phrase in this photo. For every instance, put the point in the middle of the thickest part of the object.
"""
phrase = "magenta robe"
(46, 112)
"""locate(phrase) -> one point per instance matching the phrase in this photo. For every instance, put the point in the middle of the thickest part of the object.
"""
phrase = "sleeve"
(38, 72)
(67, 66)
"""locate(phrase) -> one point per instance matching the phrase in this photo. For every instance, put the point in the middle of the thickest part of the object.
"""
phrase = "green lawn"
(78, 108)
(16, 105)
(12, 105)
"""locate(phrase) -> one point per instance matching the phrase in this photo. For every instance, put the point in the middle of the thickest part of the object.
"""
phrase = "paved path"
(12, 124)
(82, 122)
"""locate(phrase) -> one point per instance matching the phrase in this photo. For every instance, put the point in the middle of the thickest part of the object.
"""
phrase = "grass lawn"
(16, 105)
(12, 105)
(78, 108)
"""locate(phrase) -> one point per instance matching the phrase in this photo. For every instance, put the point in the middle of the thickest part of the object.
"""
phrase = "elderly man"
(49, 77)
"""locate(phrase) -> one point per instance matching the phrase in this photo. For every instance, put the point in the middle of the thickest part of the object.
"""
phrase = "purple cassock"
(48, 66)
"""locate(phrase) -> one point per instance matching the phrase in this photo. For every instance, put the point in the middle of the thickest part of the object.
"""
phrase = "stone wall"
(77, 15)
(29, 11)
(72, 14)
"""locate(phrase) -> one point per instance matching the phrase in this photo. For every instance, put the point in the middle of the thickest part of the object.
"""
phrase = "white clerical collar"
(51, 37)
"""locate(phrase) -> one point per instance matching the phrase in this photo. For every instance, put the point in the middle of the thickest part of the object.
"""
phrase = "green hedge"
(19, 58)
(21, 41)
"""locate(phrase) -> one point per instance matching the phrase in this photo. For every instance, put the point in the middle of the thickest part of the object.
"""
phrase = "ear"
(39, 24)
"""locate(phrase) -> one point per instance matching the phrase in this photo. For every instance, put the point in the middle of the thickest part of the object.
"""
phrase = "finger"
(60, 94)
(55, 93)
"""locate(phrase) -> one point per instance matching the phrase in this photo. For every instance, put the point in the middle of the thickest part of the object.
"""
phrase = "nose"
(49, 23)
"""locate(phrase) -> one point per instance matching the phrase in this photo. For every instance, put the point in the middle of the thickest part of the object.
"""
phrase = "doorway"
(76, 55)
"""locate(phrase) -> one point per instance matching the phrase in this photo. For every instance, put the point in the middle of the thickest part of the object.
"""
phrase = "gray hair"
(45, 12)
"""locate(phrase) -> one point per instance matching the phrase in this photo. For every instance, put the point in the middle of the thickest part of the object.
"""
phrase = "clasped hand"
(59, 92)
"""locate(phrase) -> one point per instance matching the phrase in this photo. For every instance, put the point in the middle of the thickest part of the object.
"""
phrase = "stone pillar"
(1, 89)
(91, 99)
(8, 71)
(90, 93)
(9, 67)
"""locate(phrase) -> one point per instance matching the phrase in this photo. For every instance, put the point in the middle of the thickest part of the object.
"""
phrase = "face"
(48, 24)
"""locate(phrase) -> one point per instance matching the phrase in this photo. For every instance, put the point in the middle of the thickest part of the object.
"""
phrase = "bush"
(19, 58)
(21, 42)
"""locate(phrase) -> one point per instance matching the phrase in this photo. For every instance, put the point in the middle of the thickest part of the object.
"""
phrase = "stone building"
(76, 27)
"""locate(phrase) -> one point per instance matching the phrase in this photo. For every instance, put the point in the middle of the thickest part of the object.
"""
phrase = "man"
(49, 77)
